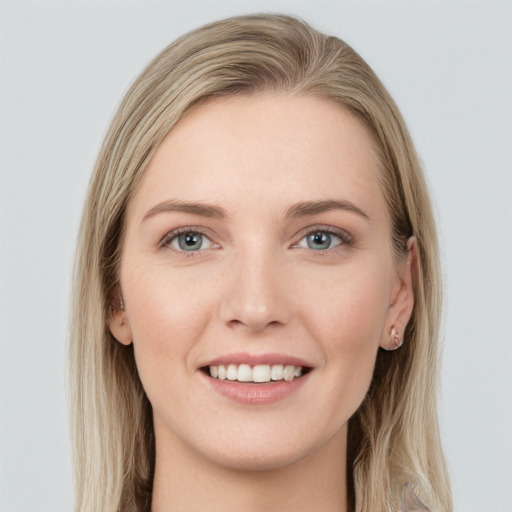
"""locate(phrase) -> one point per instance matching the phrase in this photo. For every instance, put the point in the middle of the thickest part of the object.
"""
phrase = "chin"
(262, 460)
(264, 450)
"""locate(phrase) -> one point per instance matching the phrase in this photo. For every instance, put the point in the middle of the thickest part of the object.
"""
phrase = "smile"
(256, 379)
(259, 373)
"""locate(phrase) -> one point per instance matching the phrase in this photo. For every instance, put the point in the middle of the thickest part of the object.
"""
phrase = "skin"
(257, 287)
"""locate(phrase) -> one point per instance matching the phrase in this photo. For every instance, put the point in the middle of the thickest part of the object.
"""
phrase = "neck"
(186, 481)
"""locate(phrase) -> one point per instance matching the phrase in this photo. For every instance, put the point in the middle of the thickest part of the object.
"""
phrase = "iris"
(190, 241)
(319, 241)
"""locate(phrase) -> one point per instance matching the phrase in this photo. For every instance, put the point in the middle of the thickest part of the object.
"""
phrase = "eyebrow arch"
(193, 207)
(305, 208)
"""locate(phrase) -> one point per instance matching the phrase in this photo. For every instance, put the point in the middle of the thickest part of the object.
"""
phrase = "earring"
(395, 339)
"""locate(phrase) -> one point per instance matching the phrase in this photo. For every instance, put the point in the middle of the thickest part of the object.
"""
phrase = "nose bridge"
(254, 294)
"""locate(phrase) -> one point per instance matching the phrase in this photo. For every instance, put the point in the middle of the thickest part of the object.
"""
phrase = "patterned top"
(410, 501)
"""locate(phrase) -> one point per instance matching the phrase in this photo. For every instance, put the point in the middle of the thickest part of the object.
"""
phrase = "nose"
(255, 296)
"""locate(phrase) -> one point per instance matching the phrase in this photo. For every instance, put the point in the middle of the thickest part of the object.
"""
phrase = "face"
(259, 280)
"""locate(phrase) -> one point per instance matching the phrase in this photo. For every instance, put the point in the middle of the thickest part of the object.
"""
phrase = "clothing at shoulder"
(410, 501)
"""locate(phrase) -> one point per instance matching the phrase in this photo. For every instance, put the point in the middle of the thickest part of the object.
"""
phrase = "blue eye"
(320, 241)
(188, 241)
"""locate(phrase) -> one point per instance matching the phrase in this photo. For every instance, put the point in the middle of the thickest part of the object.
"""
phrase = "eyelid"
(165, 241)
(345, 236)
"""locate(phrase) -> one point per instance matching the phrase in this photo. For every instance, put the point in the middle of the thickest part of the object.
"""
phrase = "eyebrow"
(193, 207)
(301, 209)
(305, 208)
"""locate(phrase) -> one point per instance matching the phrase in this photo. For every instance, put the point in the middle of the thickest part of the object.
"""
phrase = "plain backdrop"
(63, 69)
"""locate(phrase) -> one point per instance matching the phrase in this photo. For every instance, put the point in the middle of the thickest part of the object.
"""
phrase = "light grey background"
(63, 68)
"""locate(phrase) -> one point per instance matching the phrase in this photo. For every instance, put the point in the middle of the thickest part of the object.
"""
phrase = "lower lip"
(256, 394)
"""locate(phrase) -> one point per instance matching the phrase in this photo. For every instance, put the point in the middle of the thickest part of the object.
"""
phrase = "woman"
(257, 290)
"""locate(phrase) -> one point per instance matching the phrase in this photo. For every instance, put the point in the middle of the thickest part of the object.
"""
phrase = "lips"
(256, 379)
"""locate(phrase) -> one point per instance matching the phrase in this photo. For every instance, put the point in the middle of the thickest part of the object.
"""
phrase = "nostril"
(235, 323)
(253, 324)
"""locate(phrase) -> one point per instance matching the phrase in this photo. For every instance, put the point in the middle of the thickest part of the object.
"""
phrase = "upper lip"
(256, 359)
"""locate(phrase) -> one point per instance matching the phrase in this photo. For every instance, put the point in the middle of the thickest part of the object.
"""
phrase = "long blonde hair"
(393, 437)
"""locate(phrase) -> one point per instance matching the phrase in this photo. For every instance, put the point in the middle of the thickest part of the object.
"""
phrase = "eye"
(321, 240)
(187, 241)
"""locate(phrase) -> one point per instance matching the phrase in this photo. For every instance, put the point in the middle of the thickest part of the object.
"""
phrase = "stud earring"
(395, 339)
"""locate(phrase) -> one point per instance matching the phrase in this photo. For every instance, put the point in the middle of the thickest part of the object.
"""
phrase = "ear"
(118, 322)
(401, 301)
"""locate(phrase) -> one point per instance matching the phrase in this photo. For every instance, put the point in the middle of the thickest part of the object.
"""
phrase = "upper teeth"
(257, 373)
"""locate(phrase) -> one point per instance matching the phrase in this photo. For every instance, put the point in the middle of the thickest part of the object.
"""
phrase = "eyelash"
(345, 238)
(168, 238)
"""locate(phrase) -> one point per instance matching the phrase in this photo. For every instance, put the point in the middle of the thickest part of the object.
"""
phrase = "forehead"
(273, 148)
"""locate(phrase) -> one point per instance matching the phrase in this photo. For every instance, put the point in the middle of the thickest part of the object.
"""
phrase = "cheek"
(165, 314)
(347, 320)
(350, 309)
